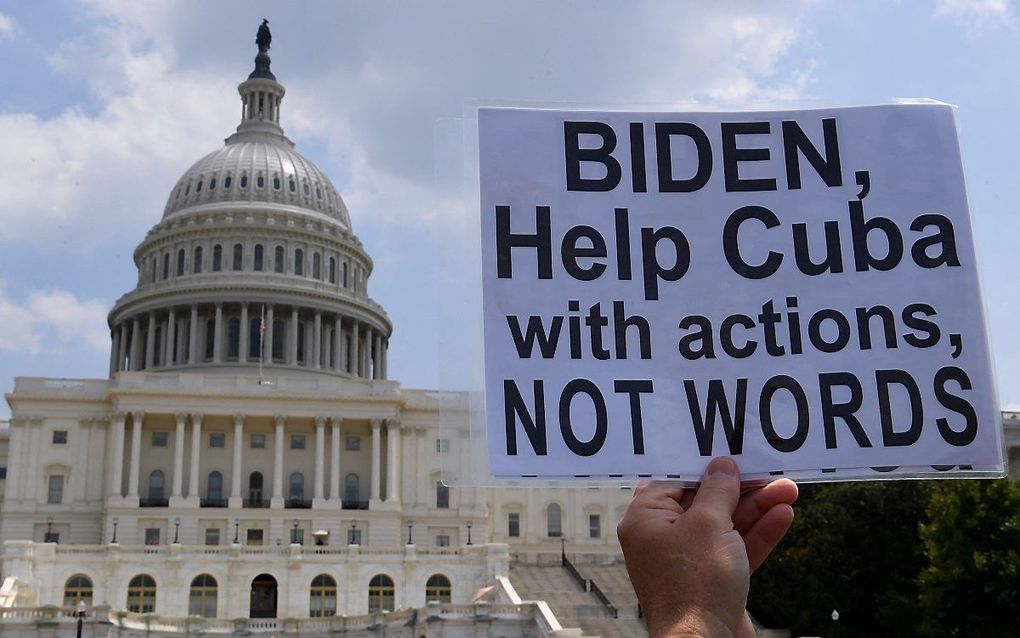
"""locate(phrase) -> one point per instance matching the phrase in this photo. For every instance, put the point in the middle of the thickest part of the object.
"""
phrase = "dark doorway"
(263, 597)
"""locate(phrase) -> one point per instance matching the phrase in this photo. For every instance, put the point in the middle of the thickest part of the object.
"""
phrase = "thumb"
(719, 492)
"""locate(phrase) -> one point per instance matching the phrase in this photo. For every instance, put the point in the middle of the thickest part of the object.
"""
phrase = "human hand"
(690, 552)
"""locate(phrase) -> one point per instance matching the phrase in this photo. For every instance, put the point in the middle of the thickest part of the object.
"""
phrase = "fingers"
(766, 533)
(754, 505)
(720, 489)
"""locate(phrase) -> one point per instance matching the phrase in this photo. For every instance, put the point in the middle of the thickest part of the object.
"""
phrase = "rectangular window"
(55, 493)
(352, 443)
(59, 437)
(159, 439)
(297, 442)
(442, 540)
(254, 536)
(258, 441)
(442, 496)
(3, 473)
(217, 439)
(513, 525)
(212, 536)
(354, 537)
(152, 536)
(442, 446)
(594, 526)
(297, 536)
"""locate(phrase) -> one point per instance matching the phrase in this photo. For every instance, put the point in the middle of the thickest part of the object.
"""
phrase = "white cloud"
(1011, 407)
(977, 16)
(50, 321)
(8, 26)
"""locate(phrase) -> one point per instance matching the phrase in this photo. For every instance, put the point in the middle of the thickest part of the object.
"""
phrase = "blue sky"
(105, 104)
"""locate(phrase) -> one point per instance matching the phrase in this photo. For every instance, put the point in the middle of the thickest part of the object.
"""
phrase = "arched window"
(323, 597)
(553, 522)
(296, 487)
(244, 180)
(212, 184)
(202, 599)
(291, 184)
(332, 270)
(255, 487)
(258, 258)
(157, 485)
(152, 269)
(438, 589)
(345, 275)
(304, 187)
(227, 180)
(316, 266)
(198, 189)
(141, 594)
(78, 588)
(233, 337)
(299, 262)
(381, 593)
(180, 262)
(196, 267)
(260, 181)
(279, 260)
(255, 338)
(278, 328)
(352, 488)
(217, 258)
(442, 495)
(214, 486)
(276, 181)
(210, 338)
(238, 256)
(166, 265)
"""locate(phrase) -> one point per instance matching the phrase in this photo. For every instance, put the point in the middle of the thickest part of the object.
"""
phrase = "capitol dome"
(253, 265)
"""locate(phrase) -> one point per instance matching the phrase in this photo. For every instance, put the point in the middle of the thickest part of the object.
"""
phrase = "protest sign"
(795, 289)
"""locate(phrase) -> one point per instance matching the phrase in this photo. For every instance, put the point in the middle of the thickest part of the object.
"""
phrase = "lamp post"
(49, 528)
(563, 551)
(354, 534)
(410, 524)
(81, 617)
(469, 532)
(115, 521)
(177, 529)
(237, 527)
(293, 533)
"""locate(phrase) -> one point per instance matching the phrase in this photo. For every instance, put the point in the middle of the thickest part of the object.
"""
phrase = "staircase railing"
(594, 588)
(574, 573)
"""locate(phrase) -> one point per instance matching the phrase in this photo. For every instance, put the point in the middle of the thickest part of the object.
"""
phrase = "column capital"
(336, 421)
(138, 415)
(320, 421)
(280, 420)
(390, 423)
(375, 423)
(181, 417)
(120, 416)
(238, 418)
(219, 305)
(196, 418)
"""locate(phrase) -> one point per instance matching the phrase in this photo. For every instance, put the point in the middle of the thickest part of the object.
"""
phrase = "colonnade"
(288, 335)
(333, 497)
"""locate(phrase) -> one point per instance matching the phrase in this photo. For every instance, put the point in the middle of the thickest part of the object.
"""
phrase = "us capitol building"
(249, 467)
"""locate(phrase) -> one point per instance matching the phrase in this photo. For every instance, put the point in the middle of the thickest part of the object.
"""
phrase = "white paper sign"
(795, 289)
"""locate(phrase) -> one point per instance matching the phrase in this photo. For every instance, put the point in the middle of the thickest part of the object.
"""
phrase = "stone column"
(334, 462)
(377, 365)
(423, 479)
(193, 336)
(117, 454)
(376, 460)
(196, 458)
(217, 333)
(171, 332)
(136, 345)
(267, 341)
(178, 480)
(293, 336)
(320, 465)
(277, 500)
(353, 355)
(237, 471)
(385, 356)
(150, 342)
(242, 341)
(114, 348)
(317, 340)
(393, 463)
(136, 453)
(122, 346)
(338, 353)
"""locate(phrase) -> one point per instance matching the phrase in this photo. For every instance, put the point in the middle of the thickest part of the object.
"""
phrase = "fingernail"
(722, 465)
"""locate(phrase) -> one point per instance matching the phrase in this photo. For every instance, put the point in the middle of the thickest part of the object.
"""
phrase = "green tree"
(855, 548)
(971, 586)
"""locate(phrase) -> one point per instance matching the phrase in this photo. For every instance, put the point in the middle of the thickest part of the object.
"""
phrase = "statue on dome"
(263, 38)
